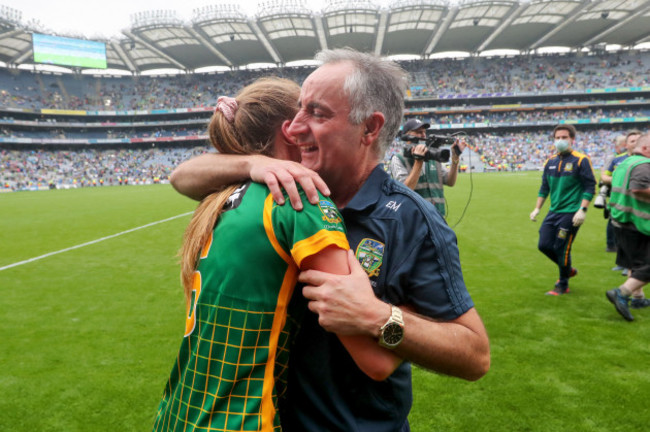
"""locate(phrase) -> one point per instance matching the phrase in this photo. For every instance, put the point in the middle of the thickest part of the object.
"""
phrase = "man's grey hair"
(375, 85)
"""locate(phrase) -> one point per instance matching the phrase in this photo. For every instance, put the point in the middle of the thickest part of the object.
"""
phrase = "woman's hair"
(261, 109)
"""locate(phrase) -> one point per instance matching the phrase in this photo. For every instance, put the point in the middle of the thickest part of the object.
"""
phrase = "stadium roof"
(284, 31)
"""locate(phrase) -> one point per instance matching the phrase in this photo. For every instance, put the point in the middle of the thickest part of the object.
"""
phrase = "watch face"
(393, 334)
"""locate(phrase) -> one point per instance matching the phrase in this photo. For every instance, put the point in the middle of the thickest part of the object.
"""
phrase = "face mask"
(561, 145)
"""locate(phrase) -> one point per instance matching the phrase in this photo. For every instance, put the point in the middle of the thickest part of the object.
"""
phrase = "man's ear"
(285, 134)
(373, 126)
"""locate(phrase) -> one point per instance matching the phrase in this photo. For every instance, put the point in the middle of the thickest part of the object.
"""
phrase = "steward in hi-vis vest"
(625, 207)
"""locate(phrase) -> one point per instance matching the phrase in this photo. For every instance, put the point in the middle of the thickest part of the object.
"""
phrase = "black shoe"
(620, 302)
(639, 303)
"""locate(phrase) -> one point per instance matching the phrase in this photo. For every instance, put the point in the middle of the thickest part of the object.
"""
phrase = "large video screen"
(65, 51)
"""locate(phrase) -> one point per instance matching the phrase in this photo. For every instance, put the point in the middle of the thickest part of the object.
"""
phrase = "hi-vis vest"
(429, 184)
(624, 206)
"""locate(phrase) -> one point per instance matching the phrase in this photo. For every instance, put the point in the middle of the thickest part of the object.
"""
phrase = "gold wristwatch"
(392, 333)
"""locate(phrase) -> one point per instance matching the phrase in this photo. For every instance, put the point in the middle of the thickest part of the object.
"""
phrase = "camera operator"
(418, 170)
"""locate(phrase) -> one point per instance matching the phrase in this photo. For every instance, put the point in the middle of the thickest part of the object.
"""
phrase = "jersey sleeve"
(607, 166)
(436, 287)
(588, 179)
(307, 232)
(612, 166)
(544, 188)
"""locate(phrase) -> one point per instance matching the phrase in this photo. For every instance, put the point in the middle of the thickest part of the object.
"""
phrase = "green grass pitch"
(90, 335)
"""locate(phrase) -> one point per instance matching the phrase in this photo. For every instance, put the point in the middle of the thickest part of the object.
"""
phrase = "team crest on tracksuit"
(370, 254)
(329, 211)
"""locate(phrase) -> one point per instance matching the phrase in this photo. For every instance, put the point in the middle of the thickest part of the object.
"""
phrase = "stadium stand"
(50, 124)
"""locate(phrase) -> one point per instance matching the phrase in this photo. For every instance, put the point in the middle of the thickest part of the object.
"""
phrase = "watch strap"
(396, 319)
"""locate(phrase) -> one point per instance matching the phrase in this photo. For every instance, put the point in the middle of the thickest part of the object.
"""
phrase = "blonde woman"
(241, 257)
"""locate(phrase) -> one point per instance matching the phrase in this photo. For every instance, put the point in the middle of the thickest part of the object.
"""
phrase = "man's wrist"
(391, 333)
(384, 316)
(248, 164)
(584, 209)
(418, 161)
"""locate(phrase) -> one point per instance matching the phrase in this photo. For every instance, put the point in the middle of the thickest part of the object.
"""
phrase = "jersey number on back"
(190, 322)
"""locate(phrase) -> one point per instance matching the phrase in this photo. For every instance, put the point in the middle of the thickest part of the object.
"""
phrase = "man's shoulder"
(618, 159)
(390, 187)
(400, 200)
(640, 175)
(581, 159)
(380, 189)
(551, 160)
(579, 155)
(642, 164)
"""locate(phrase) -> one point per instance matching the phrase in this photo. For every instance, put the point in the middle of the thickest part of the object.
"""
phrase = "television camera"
(601, 199)
(437, 149)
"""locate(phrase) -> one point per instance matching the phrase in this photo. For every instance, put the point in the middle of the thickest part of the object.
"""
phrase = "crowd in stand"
(34, 169)
(553, 116)
(84, 133)
(498, 150)
(27, 169)
(528, 74)
(439, 77)
(442, 118)
(17, 89)
(529, 150)
(501, 151)
(516, 151)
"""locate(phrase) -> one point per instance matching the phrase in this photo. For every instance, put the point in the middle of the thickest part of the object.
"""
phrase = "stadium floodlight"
(274, 7)
(407, 3)
(11, 15)
(217, 12)
(155, 17)
(338, 5)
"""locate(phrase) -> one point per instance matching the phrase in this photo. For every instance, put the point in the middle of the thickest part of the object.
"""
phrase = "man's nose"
(297, 126)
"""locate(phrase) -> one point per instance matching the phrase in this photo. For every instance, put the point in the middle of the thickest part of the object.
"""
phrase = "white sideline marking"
(92, 242)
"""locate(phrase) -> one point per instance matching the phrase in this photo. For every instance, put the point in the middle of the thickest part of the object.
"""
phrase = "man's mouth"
(308, 148)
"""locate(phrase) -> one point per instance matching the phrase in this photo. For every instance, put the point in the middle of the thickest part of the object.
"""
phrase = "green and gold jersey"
(568, 178)
(224, 376)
